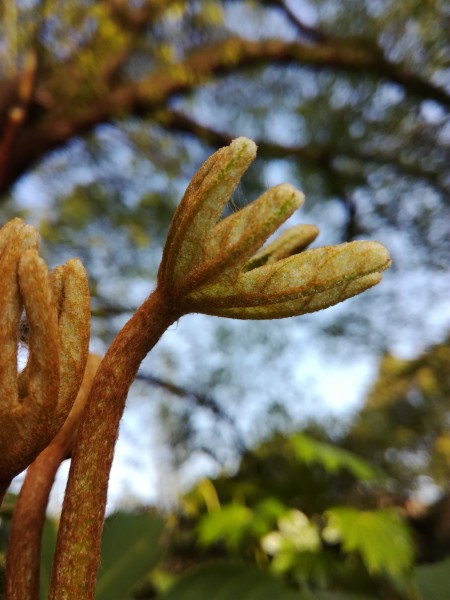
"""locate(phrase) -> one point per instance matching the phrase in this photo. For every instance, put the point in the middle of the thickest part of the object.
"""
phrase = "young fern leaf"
(35, 403)
(15, 238)
(296, 281)
(300, 306)
(290, 242)
(208, 266)
(214, 266)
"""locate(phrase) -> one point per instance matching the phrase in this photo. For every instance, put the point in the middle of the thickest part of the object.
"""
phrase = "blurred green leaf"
(229, 524)
(433, 581)
(381, 537)
(311, 567)
(130, 548)
(266, 514)
(47, 550)
(333, 459)
(231, 581)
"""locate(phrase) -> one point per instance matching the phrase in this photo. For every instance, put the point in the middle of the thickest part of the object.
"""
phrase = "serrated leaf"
(332, 458)
(381, 537)
(231, 581)
(130, 548)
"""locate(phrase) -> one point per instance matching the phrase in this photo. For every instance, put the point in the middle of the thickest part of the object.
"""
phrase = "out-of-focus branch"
(321, 157)
(16, 113)
(200, 400)
(51, 125)
(133, 21)
(312, 34)
(318, 156)
(102, 309)
(136, 19)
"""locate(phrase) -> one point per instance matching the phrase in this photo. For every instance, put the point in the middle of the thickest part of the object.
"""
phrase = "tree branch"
(201, 400)
(16, 113)
(311, 34)
(50, 126)
(319, 156)
(136, 19)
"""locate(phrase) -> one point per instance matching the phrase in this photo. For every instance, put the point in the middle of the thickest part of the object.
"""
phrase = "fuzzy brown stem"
(23, 557)
(78, 546)
(24, 547)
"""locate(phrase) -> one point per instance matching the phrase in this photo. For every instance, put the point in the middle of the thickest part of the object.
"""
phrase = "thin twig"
(201, 400)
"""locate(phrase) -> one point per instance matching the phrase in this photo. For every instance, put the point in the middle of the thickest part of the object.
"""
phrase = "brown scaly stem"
(24, 545)
(78, 546)
(23, 557)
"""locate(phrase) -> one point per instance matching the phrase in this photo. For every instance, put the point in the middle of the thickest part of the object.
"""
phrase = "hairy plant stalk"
(23, 557)
(24, 545)
(79, 538)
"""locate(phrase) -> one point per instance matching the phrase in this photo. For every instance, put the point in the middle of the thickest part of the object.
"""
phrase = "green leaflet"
(331, 457)
(237, 237)
(300, 306)
(202, 205)
(300, 277)
(230, 523)
(290, 242)
(236, 523)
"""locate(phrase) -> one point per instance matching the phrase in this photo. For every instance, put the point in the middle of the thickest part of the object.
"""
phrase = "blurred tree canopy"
(409, 408)
(108, 107)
